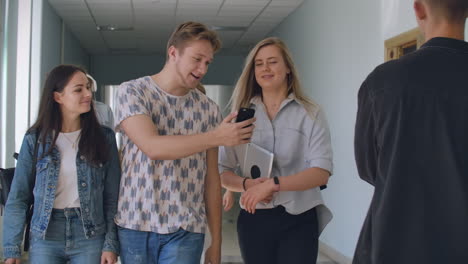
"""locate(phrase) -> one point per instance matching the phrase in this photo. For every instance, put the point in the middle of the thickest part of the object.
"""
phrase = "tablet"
(256, 162)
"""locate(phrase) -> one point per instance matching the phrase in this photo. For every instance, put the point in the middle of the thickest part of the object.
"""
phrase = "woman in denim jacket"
(76, 182)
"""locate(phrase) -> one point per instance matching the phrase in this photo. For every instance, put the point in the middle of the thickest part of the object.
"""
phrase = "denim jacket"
(98, 191)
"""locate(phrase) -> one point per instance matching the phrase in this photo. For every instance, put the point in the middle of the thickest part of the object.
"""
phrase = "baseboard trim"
(333, 254)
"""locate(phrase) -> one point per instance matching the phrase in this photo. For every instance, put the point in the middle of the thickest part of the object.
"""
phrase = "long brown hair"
(247, 86)
(92, 143)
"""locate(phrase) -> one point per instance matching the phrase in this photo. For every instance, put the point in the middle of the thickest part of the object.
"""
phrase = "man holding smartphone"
(170, 131)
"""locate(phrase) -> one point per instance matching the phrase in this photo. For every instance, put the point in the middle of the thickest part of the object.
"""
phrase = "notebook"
(256, 161)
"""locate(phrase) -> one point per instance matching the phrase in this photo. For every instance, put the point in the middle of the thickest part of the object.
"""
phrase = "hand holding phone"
(245, 114)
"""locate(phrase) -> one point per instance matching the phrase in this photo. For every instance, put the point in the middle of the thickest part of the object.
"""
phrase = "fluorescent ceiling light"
(113, 28)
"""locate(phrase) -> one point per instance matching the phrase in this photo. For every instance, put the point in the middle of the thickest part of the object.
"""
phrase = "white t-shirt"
(66, 195)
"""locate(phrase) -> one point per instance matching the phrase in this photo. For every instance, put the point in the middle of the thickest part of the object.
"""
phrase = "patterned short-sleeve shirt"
(163, 195)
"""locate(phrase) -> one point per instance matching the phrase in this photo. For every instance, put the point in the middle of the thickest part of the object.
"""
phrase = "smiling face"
(270, 68)
(76, 97)
(191, 62)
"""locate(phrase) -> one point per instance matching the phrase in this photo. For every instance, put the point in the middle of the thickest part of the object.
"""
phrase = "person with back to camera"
(228, 196)
(411, 144)
(103, 112)
(76, 181)
(294, 128)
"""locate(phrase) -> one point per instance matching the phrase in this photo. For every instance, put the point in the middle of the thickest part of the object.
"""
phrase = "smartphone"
(245, 114)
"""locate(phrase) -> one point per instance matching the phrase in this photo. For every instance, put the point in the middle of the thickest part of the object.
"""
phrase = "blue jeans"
(65, 241)
(139, 247)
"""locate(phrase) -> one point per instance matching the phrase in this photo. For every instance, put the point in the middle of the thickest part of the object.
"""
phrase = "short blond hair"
(452, 10)
(190, 31)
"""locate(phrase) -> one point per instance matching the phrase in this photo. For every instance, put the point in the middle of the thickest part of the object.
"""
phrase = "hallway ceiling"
(143, 26)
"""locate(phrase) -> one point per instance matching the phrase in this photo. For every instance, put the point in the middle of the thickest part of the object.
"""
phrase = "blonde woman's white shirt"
(299, 140)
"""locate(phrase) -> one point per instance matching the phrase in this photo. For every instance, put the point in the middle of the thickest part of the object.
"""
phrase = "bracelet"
(276, 180)
(277, 183)
(243, 184)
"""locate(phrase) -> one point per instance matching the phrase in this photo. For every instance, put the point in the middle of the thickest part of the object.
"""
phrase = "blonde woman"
(283, 215)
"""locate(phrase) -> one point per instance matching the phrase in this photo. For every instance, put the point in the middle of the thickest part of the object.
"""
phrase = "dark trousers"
(274, 236)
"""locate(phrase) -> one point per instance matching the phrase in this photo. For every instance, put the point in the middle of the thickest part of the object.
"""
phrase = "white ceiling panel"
(150, 18)
(277, 10)
(214, 2)
(108, 1)
(232, 22)
(266, 21)
(205, 20)
(72, 14)
(66, 3)
(72, 9)
(196, 6)
(155, 7)
(286, 2)
(153, 21)
(247, 2)
(152, 1)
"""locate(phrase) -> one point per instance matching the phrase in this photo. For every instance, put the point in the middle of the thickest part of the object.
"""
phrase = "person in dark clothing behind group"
(411, 143)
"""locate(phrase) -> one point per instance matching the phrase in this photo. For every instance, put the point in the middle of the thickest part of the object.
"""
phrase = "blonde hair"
(247, 87)
(190, 31)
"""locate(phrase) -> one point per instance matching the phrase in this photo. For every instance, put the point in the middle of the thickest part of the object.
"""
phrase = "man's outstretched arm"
(143, 132)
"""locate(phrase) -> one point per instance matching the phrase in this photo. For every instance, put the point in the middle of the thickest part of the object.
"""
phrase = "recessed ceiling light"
(113, 28)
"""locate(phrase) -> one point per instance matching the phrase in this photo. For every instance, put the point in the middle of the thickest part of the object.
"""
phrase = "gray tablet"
(256, 162)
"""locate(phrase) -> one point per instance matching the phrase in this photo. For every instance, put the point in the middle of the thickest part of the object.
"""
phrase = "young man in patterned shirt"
(170, 131)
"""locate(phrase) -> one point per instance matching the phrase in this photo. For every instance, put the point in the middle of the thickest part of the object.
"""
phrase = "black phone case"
(245, 114)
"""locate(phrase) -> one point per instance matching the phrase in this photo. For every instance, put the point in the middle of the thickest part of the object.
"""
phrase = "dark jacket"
(411, 144)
